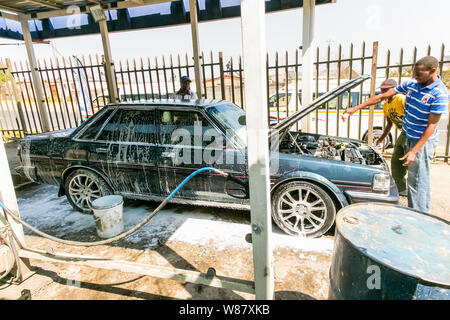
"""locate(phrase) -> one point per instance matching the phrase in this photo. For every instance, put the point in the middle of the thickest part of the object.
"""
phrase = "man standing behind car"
(426, 100)
(394, 110)
(185, 92)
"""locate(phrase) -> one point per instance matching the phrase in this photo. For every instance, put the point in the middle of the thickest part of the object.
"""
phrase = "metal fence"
(76, 87)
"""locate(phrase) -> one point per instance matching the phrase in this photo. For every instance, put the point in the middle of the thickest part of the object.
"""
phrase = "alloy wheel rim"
(83, 190)
(302, 210)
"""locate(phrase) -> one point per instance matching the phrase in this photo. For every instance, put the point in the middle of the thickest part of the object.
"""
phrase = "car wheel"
(84, 186)
(377, 132)
(302, 208)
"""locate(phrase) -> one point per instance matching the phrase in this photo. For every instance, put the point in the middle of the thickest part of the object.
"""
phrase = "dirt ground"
(182, 237)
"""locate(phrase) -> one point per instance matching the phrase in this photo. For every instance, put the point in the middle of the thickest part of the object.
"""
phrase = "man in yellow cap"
(394, 110)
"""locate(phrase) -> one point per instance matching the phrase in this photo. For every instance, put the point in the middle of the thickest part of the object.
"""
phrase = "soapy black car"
(144, 150)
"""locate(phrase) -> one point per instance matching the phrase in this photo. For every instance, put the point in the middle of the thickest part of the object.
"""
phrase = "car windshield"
(228, 115)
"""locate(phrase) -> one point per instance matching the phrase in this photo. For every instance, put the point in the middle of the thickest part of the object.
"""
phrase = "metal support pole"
(42, 104)
(109, 64)
(8, 198)
(307, 58)
(372, 91)
(253, 49)
(195, 46)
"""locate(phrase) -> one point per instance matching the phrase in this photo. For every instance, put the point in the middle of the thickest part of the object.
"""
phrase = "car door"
(125, 151)
(182, 150)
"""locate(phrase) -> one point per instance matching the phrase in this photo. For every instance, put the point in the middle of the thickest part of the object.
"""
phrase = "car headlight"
(381, 182)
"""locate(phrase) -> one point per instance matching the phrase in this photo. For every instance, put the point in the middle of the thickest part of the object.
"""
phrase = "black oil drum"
(386, 252)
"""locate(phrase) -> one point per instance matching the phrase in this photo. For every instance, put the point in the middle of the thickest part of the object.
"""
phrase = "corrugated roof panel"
(149, 16)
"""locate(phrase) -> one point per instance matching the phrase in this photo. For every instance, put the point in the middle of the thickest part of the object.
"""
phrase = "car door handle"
(168, 154)
(101, 150)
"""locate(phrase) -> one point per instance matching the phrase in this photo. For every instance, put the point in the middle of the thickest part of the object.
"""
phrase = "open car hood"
(285, 125)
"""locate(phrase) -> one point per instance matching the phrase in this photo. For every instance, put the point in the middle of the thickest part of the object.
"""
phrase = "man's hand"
(350, 111)
(410, 157)
(377, 141)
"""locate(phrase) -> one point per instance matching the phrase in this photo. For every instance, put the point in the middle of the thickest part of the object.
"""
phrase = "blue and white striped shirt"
(420, 102)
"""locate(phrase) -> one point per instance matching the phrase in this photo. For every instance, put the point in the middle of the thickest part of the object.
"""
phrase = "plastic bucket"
(108, 215)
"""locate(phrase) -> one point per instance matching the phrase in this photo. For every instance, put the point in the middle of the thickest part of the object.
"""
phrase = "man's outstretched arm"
(371, 101)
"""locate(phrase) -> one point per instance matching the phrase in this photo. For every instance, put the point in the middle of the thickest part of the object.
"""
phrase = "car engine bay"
(334, 148)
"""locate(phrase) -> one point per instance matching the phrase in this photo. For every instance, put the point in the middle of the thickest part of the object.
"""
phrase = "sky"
(394, 23)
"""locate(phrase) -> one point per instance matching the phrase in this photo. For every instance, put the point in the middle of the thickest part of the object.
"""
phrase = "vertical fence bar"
(372, 90)
(137, 80)
(232, 80)
(363, 62)
(187, 64)
(267, 84)
(157, 77)
(296, 86)
(212, 75)
(338, 82)
(129, 80)
(204, 75)
(387, 70)
(350, 66)
(143, 79)
(172, 74)
(222, 77)
(327, 123)
(179, 68)
(241, 85)
(277, 87)
(165, 77)
(317, 88)
(286, 82)
(150, 76)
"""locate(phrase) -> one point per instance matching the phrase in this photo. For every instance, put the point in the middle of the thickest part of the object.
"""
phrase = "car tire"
(377, 132)
(84, 186)
(310, 215)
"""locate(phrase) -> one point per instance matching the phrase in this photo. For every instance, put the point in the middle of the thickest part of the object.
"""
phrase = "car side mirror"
(242, 120)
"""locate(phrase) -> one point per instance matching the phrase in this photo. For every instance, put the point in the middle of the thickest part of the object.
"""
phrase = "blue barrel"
(386, 252)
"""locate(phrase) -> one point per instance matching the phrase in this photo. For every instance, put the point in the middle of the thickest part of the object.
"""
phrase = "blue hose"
(190, 176)
(122, 235)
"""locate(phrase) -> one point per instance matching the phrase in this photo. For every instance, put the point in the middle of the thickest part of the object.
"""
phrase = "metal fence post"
(222, 77)
(372, 91)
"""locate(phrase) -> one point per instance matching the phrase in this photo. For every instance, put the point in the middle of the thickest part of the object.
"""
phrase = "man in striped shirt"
(426, 100)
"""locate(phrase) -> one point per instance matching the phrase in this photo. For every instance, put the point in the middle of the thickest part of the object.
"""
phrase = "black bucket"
(385, 252)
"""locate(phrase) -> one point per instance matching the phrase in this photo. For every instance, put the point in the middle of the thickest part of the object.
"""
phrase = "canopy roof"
(54, 18)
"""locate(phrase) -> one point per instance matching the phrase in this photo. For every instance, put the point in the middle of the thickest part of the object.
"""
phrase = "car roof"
(201, 103)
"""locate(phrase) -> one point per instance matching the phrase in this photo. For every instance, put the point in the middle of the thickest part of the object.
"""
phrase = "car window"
(282, 99)
(130, 126)
(94, 128)
(176, 125)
